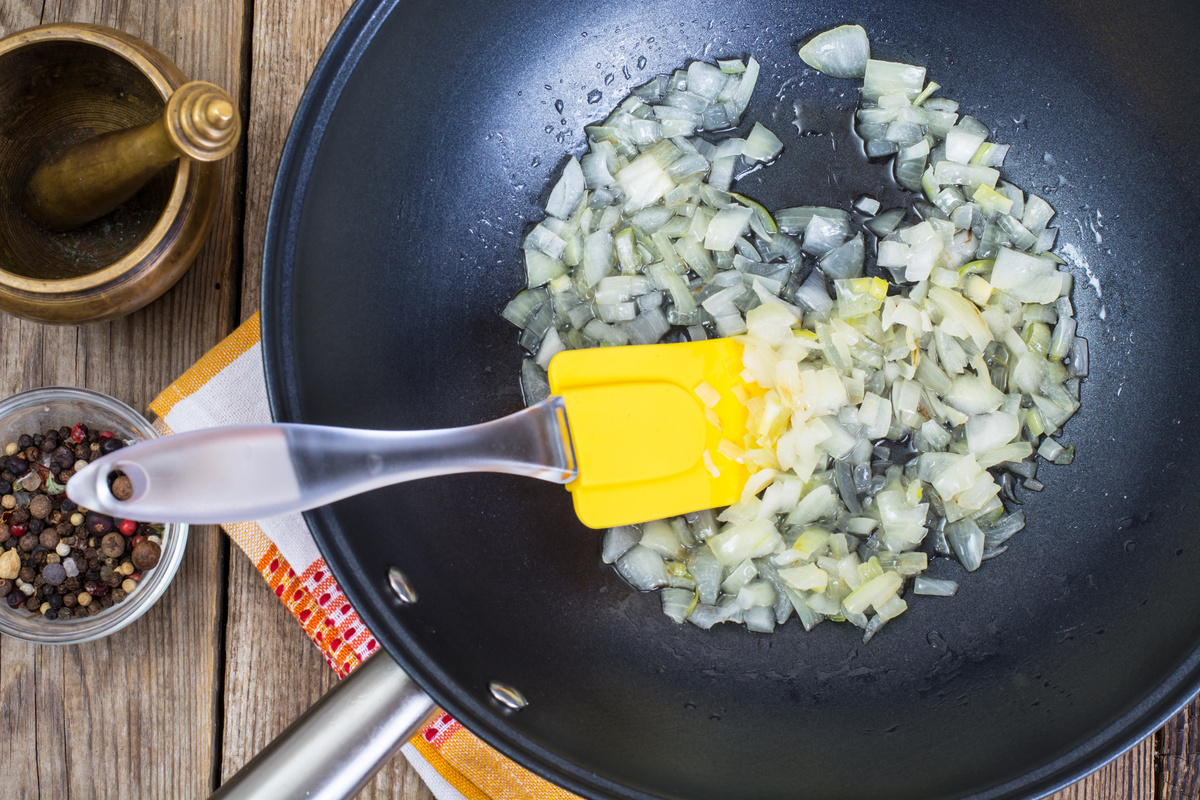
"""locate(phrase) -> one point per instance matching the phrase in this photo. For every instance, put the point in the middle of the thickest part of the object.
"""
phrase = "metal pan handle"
(335, 747)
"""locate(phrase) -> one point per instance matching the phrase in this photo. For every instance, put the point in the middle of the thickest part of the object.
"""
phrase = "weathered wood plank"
(1130, 777)
(1179, 755)
(18, 716)
(133, 715)
(273, 673)
(16, 15)
(288, 40)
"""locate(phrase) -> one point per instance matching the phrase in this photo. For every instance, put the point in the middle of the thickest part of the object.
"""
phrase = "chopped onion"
(761, 144)
(969, 356)
(643, 568)
(933, 586)
(840, 53)
(887, 78)
(966, 539)
(618, 541)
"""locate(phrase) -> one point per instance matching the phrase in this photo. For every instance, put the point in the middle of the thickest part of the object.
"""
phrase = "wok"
(416, 160)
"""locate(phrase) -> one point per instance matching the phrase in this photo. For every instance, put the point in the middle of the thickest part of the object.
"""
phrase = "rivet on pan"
(400, 585)
(507, 695)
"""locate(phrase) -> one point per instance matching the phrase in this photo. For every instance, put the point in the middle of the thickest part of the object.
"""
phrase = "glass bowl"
(36, 411)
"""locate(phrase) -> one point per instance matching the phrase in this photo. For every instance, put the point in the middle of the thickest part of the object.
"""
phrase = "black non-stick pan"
(418, 157)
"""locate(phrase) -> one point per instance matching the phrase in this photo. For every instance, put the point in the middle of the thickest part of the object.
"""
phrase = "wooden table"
(176, 703)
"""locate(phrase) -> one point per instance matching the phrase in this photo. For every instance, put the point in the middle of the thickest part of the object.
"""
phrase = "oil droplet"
(594, 96)
(608, 78)
(537, 162)
(549, 129)
(558, 105)
(625, 71)
(641, 62)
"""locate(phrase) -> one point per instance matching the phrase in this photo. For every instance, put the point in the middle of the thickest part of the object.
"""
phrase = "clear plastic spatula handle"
(249, 472)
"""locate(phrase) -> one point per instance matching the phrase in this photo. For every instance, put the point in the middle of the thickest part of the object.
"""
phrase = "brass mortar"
(69, 93)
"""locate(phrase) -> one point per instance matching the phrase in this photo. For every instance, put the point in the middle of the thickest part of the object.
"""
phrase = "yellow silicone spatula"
(646, 423)
(633, 432)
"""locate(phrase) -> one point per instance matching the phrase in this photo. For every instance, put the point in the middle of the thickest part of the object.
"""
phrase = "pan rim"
(337, 64)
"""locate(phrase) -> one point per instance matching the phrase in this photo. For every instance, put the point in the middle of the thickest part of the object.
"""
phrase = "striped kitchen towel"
(226, 387)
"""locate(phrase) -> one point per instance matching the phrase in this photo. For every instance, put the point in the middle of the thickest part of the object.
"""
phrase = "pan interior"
(417, 161)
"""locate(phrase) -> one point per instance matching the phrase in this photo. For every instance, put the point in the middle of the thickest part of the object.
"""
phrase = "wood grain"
(17, 15)
(274, 673)
(1179, 755)
(1130, 777)
(288, 40)
(132, 715)
(194, 689)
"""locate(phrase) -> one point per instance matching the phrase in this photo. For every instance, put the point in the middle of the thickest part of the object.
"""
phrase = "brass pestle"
(90, 179)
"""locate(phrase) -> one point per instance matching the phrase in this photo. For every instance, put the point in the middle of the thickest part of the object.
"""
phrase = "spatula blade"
(646, 440)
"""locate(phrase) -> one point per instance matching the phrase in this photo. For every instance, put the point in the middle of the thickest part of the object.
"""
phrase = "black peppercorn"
(39, 525)
(97, 524)
(62, 457)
